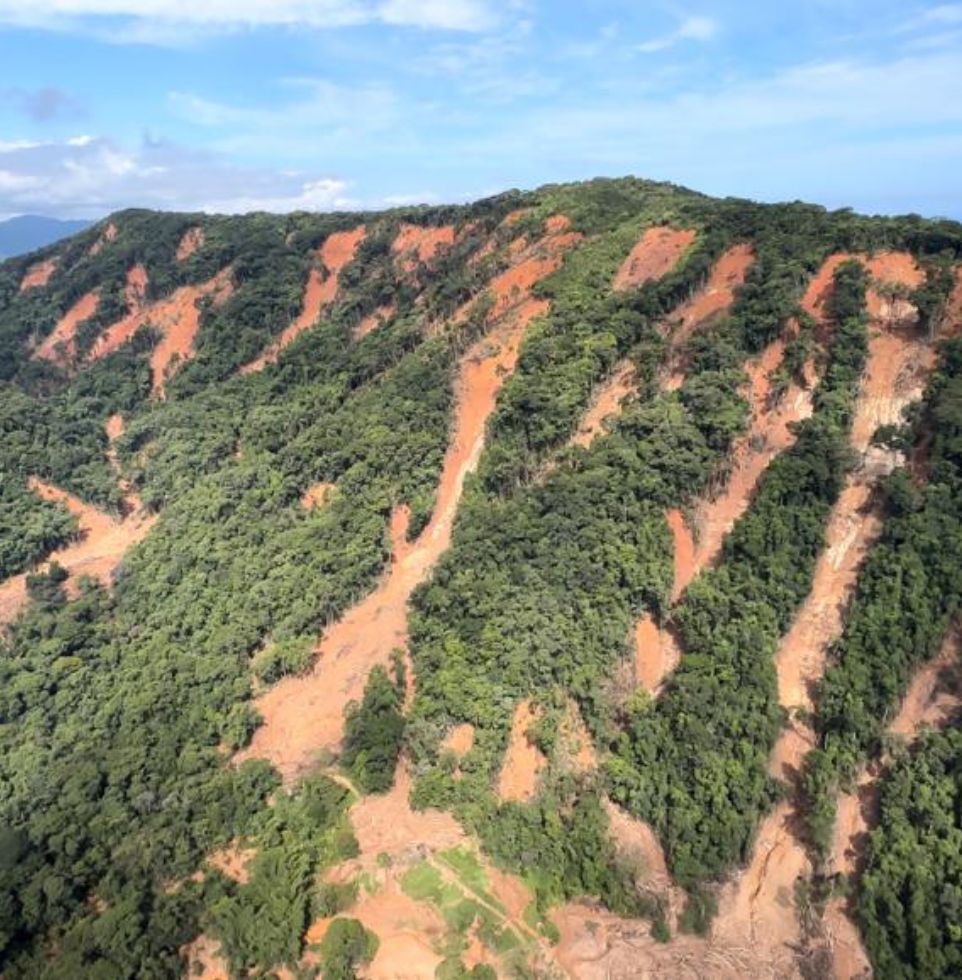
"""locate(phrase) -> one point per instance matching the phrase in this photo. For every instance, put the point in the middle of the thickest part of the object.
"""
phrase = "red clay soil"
(232, 861)
(108, 235)
(709, 302)
(176, 317)
(654, 255)
(321, 290)
(104, 542)
(203, 960)
(374, 320)
(387, 824)
(303, 716)
(115, 429)
(577, 748)
(61, 339)
(317, 495)
(523, 760)
(759, 904)
(416, 245)
(460, 740)
(925, 705)
(656, 651)
(38, 275)
(136, 288)
(605, 403)
(192, 240)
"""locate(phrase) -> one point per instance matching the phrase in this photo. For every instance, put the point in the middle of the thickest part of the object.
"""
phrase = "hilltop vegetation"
(120, 707)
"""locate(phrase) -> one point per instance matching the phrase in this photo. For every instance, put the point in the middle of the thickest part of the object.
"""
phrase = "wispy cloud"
(320, 117)
(693, 28)
(167, 21)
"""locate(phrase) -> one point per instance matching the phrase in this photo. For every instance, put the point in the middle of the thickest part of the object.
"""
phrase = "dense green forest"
(120, 707)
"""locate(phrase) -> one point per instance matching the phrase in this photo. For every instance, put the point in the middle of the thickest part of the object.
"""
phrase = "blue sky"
(235, 105)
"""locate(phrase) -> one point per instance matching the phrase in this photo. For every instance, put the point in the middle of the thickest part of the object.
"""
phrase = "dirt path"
(320, 291)
(38, 274)
(61, 339)
(193, 239)
(104, 542)
(304, 715)
(654, 255)
(176, 317)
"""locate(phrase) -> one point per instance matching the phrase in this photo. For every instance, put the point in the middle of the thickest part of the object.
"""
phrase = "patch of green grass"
(461, 915)
(423, 882)
(470, 873)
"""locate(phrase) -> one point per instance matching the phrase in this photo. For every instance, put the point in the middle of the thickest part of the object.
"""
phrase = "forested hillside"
(563, 584)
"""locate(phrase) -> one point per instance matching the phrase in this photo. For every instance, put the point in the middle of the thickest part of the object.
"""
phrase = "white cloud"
(165, 21)
(9, 146)
(326, 194)
(690, 29)
(406, 200)
(321, 118)
(98, 176)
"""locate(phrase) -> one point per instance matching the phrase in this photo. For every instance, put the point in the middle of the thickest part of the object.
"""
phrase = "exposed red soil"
(193, 239)
(38, 274)
(685, 566)
(655, 254)
(460, 740)
(513, 217)
(176, 317)
(577, 748)
(638, 846)
(59, 345)
(708, 303)
(232, 861)
(386, 824)
(321, 290)
(887, 268)
(203, 960)
(416, 244)
(760, 901)
(102, 545)
(605, 403)
(557, 223)
(769, 435)
(108, 235)
(656, 651)
(951, 320)
(523, 760)
(374, 320)
(136, 288)
(317, 495)
(115, 429)
(657, 654)
(925, 705)
(304, 715)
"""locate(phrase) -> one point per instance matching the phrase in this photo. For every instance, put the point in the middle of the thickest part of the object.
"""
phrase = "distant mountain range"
(29, 231)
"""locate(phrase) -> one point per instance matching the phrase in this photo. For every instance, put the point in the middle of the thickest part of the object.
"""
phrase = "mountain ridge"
(472, 566)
